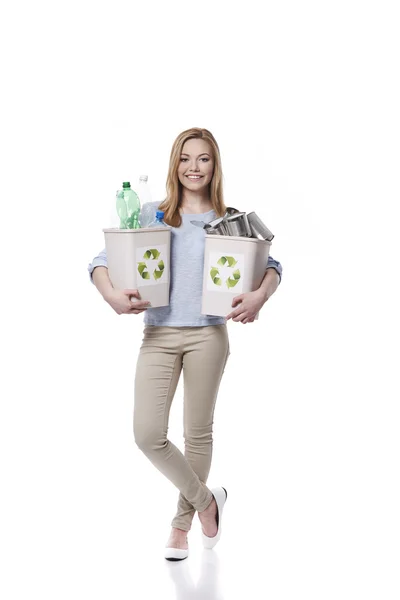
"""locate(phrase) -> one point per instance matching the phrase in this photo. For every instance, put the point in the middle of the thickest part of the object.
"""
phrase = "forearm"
(269, 284)
(102, 281)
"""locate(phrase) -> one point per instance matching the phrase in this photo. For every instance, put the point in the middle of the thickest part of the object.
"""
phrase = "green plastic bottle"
(128, 207)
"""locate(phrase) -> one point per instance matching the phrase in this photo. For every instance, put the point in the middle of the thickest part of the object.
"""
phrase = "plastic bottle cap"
(143, 178)
(126, 184)
(159, 214)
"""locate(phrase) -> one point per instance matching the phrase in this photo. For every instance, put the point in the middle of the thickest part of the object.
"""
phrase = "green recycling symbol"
(230, 262)
(153, 254)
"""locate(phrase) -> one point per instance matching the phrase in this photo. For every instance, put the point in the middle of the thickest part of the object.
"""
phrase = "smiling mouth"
(194, 177)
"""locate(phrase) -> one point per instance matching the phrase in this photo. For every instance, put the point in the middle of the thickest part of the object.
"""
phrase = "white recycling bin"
(140, 259)
(232, 266)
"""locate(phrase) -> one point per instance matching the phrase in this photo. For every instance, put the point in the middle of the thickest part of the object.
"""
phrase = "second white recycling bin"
(232, 266)
(140, 259)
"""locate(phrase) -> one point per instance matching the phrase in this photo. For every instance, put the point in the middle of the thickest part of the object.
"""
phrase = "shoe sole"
(176, 554)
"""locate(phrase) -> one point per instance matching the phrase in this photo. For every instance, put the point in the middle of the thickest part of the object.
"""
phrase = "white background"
(303, 99)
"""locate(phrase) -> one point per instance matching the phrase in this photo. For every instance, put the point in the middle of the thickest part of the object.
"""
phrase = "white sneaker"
(220, 494)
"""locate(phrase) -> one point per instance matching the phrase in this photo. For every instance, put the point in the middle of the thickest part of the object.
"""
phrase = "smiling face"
(196, 164)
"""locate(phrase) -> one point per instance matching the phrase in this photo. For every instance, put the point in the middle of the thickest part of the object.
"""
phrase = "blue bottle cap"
(159, 214)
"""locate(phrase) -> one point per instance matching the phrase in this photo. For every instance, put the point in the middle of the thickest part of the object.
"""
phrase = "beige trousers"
(202, 353)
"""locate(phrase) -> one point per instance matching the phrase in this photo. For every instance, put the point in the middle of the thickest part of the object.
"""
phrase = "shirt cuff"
(274, 264)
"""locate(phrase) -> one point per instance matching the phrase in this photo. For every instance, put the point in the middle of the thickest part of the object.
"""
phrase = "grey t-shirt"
(186, 282)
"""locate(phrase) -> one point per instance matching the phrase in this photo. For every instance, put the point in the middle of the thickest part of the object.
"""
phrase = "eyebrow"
(184, 154)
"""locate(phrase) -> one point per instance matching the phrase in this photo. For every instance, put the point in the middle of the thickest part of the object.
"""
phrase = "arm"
(98, 273)
(99, 260)
(272, 279)
(102, 281)
(120, 300)
(248, 304)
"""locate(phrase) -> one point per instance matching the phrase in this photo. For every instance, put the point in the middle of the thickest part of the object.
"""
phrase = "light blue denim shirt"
(186, 282)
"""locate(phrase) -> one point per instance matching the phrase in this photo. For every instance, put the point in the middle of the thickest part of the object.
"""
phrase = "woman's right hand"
(120, 301)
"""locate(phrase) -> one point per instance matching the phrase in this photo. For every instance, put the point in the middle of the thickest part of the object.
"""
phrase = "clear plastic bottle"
(148, 211)
(147, 214)
(158, 222)
(143, 189)
(128, 207)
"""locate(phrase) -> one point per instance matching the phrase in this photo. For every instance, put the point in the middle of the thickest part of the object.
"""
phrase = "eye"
(183, 159)
(206, 159)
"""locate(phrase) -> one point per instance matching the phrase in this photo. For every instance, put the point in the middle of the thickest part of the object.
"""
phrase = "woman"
(178, 337)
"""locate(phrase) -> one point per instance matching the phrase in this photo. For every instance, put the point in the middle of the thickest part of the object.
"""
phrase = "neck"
(196, 200)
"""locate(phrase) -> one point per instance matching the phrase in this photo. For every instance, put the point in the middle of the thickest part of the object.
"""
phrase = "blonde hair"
(171, 203)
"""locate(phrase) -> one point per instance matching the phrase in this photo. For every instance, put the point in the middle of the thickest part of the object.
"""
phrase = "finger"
(233, 314)
(139, 303)
(238, 311)
(235, 302)
(140, 306)
(240, 317)
(133, 293)
(237, 299)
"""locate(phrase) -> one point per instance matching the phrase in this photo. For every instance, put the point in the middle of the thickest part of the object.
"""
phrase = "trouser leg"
(205, 354)
(157, 374)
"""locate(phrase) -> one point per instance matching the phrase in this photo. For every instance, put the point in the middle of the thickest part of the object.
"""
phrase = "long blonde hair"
(171, 203)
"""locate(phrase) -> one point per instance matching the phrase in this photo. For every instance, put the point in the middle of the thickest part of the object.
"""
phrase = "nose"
(193, 167)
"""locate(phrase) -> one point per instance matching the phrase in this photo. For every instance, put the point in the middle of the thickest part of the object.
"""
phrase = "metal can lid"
(215, 222)
(235, 216)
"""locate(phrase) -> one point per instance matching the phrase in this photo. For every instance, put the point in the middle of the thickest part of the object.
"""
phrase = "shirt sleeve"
(99, 261)
(274, 264)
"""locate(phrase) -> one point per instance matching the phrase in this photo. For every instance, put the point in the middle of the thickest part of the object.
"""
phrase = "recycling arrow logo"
(158, 272)
(232, 280)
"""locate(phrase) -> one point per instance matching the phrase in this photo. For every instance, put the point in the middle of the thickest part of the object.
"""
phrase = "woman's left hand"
(250, 304)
